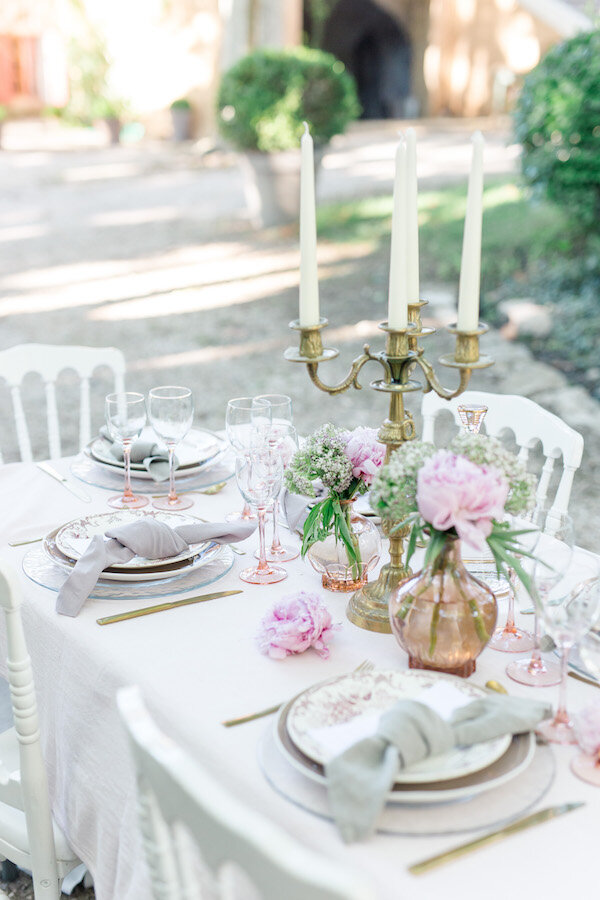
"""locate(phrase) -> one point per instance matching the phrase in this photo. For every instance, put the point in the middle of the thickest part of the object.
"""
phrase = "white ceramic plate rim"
(456, 763)
(127, 515)
(99, 450)
(421, 797)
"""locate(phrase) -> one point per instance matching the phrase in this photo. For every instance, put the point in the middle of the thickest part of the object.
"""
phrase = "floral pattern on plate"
(342, 699)
(73, 538)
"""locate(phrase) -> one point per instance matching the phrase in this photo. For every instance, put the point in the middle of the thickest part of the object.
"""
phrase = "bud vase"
(330, 557)
(443, 616)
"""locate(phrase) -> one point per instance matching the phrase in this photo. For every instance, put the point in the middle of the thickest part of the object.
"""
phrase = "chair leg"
(8, 871)
(45, 889)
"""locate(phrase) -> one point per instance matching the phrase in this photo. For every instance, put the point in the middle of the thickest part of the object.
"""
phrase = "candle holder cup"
(402, 357)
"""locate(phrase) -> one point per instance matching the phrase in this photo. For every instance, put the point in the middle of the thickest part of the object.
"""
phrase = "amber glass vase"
(443, 616)
(330, 557)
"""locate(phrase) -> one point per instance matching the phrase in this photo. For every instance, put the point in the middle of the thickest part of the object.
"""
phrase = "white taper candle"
(309, 279)
(470, 267)
(397, 300)
(412, 214)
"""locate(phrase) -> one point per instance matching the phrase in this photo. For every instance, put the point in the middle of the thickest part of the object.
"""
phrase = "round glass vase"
(443, 616)
(330, 557)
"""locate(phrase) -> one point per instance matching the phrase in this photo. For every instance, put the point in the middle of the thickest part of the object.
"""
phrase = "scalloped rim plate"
(341, 699)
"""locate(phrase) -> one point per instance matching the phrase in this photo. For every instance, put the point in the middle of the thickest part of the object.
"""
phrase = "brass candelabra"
(403, 355)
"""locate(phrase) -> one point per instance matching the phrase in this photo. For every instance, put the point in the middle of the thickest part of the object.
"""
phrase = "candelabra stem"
(368, 608)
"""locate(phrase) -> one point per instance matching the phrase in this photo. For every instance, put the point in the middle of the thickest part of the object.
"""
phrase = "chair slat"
(85, 420)
(21, 424)
(52, 414)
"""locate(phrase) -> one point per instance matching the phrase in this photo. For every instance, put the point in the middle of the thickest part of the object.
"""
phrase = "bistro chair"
(530, 424)
(174, 790)
(29, 837)
(49, 360)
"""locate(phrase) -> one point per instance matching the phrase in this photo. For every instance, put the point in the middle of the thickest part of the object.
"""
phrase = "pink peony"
(453, 492)
(587, 728)
(294, 624)
(365, 452)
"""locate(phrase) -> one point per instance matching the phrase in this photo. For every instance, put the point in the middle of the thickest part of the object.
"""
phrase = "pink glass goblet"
(247, 420)
(259, 474)
(171, 413)
(125, 418)
(509, 638)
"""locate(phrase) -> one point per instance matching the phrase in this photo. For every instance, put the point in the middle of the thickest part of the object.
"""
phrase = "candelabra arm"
(351, 380)
(432, 383)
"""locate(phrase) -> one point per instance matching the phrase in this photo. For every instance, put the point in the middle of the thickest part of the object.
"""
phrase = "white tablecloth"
(199, 665)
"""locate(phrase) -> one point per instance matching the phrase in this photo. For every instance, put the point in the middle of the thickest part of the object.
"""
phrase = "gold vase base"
(461, 671)
(368, 608)
(340, 585)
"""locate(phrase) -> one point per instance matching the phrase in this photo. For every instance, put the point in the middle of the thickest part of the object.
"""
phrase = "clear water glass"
(125, 418)
(171, 413)
(259, 474)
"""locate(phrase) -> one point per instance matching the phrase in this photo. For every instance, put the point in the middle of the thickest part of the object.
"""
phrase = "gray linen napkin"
(359, 778)
(153, 457)
(145, 537)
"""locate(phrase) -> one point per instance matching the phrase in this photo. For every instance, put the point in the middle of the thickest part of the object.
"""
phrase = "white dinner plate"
(515, 760)
(158, 573)
(73, 538)
(199, 449)
(342, 699)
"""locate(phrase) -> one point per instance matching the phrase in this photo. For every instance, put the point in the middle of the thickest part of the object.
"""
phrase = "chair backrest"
(49, 361)
(530, 424)
(33, 781)
(174, 790)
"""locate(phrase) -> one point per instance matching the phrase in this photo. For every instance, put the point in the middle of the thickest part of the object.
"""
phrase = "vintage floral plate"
(73, 538)
(357, 693)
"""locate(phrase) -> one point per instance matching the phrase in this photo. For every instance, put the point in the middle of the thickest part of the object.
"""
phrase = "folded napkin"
(359, 779)
(145, 537)
(153, 457)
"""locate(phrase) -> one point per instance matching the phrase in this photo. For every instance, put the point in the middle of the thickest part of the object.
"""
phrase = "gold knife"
(591, 681)
(550, 812)
(148, 610)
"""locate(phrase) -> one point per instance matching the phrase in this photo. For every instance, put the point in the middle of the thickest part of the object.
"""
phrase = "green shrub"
(557, 120)
(266, 96)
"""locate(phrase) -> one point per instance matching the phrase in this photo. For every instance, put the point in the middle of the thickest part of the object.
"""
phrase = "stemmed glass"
(471, 417)
(247, 423)
(171, 413)
(125, 418)
(259, 473)
(586, 765)
(509, 638)
(282, 434)
(553, 551)
(284, 440)
(567, 619)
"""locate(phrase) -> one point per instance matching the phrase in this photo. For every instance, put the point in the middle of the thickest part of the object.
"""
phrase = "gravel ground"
(147, 248)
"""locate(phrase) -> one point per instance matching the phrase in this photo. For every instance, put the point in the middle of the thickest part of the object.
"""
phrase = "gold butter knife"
(544, 815)
(582, 678)
(148, 610)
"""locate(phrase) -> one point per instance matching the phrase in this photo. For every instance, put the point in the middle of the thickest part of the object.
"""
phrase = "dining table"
(199, 665)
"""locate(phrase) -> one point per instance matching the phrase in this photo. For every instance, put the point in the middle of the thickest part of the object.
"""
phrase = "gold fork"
(365, 666)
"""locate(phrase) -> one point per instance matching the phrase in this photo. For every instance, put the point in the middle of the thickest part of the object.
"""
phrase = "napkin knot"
(149, 538)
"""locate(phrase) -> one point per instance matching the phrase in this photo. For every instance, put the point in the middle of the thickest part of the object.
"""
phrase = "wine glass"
(283, 440)
(471, 416)
(586, 764)
(247, 422)
(281, 425)
(171, 413)
(567, 619)
(553, 550)
(509, 638)
(125, 417)
(259, 474)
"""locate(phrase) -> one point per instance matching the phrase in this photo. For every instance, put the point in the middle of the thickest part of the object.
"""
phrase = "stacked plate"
(65, 545)
(300, 734)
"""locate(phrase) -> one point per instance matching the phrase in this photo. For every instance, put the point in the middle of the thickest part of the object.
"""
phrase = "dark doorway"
(375, 49)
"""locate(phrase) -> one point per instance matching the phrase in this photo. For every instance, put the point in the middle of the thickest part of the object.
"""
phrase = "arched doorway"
(375, 49)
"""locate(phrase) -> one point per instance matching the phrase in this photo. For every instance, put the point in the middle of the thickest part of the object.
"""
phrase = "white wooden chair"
(49, 361)
(529, 423)
(174, 790)
(28, 835)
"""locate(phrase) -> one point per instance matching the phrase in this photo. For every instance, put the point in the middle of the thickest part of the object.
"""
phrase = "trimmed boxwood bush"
(557, 120)
(266, 96)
